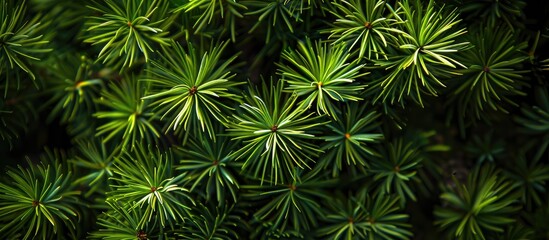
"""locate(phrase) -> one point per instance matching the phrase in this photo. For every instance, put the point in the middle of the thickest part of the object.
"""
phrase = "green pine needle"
(210, 168)
(72, 88)
(192, 88)
(276, 17)
(128, 118)
(530, 176)
(276, 134)
(214, 222)
(368, 27)
(397, 167)
(425, 54)
(495, 13)
(123, 223)
(127, 30)
(144, 179)
(485, 204)
(97, 159)
(39, 201)
(207, 11)
(364, 217)
(21, 41)
(322, 75)
(292, 206)
(494, 72)
(349, 140)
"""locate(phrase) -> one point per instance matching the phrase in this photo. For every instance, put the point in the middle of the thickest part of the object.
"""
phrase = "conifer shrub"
(274, 119)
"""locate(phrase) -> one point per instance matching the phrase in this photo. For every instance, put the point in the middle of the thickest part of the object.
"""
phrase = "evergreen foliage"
(493, 63)
(145, 179)
(350, 139)
(274, 119)
(275, 133)
(483, 205)
(39, 200)
(322, 75)
(192, 88)
(127, 29)
(21, 39)
(127, 113)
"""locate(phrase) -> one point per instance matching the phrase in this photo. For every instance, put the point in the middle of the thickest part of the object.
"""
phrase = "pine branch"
(128, 119)
(276, 134)
(192, 91)
(349, 140)
(127, 30)
(425, 54)
(210, 168)
(321, 75)
(494, 72)
(144, 179)
(21, 42)
(39, 201)
(480, 207)
(368, 28)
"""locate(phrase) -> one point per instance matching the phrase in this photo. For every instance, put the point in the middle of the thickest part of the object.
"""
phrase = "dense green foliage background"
(274, 119)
